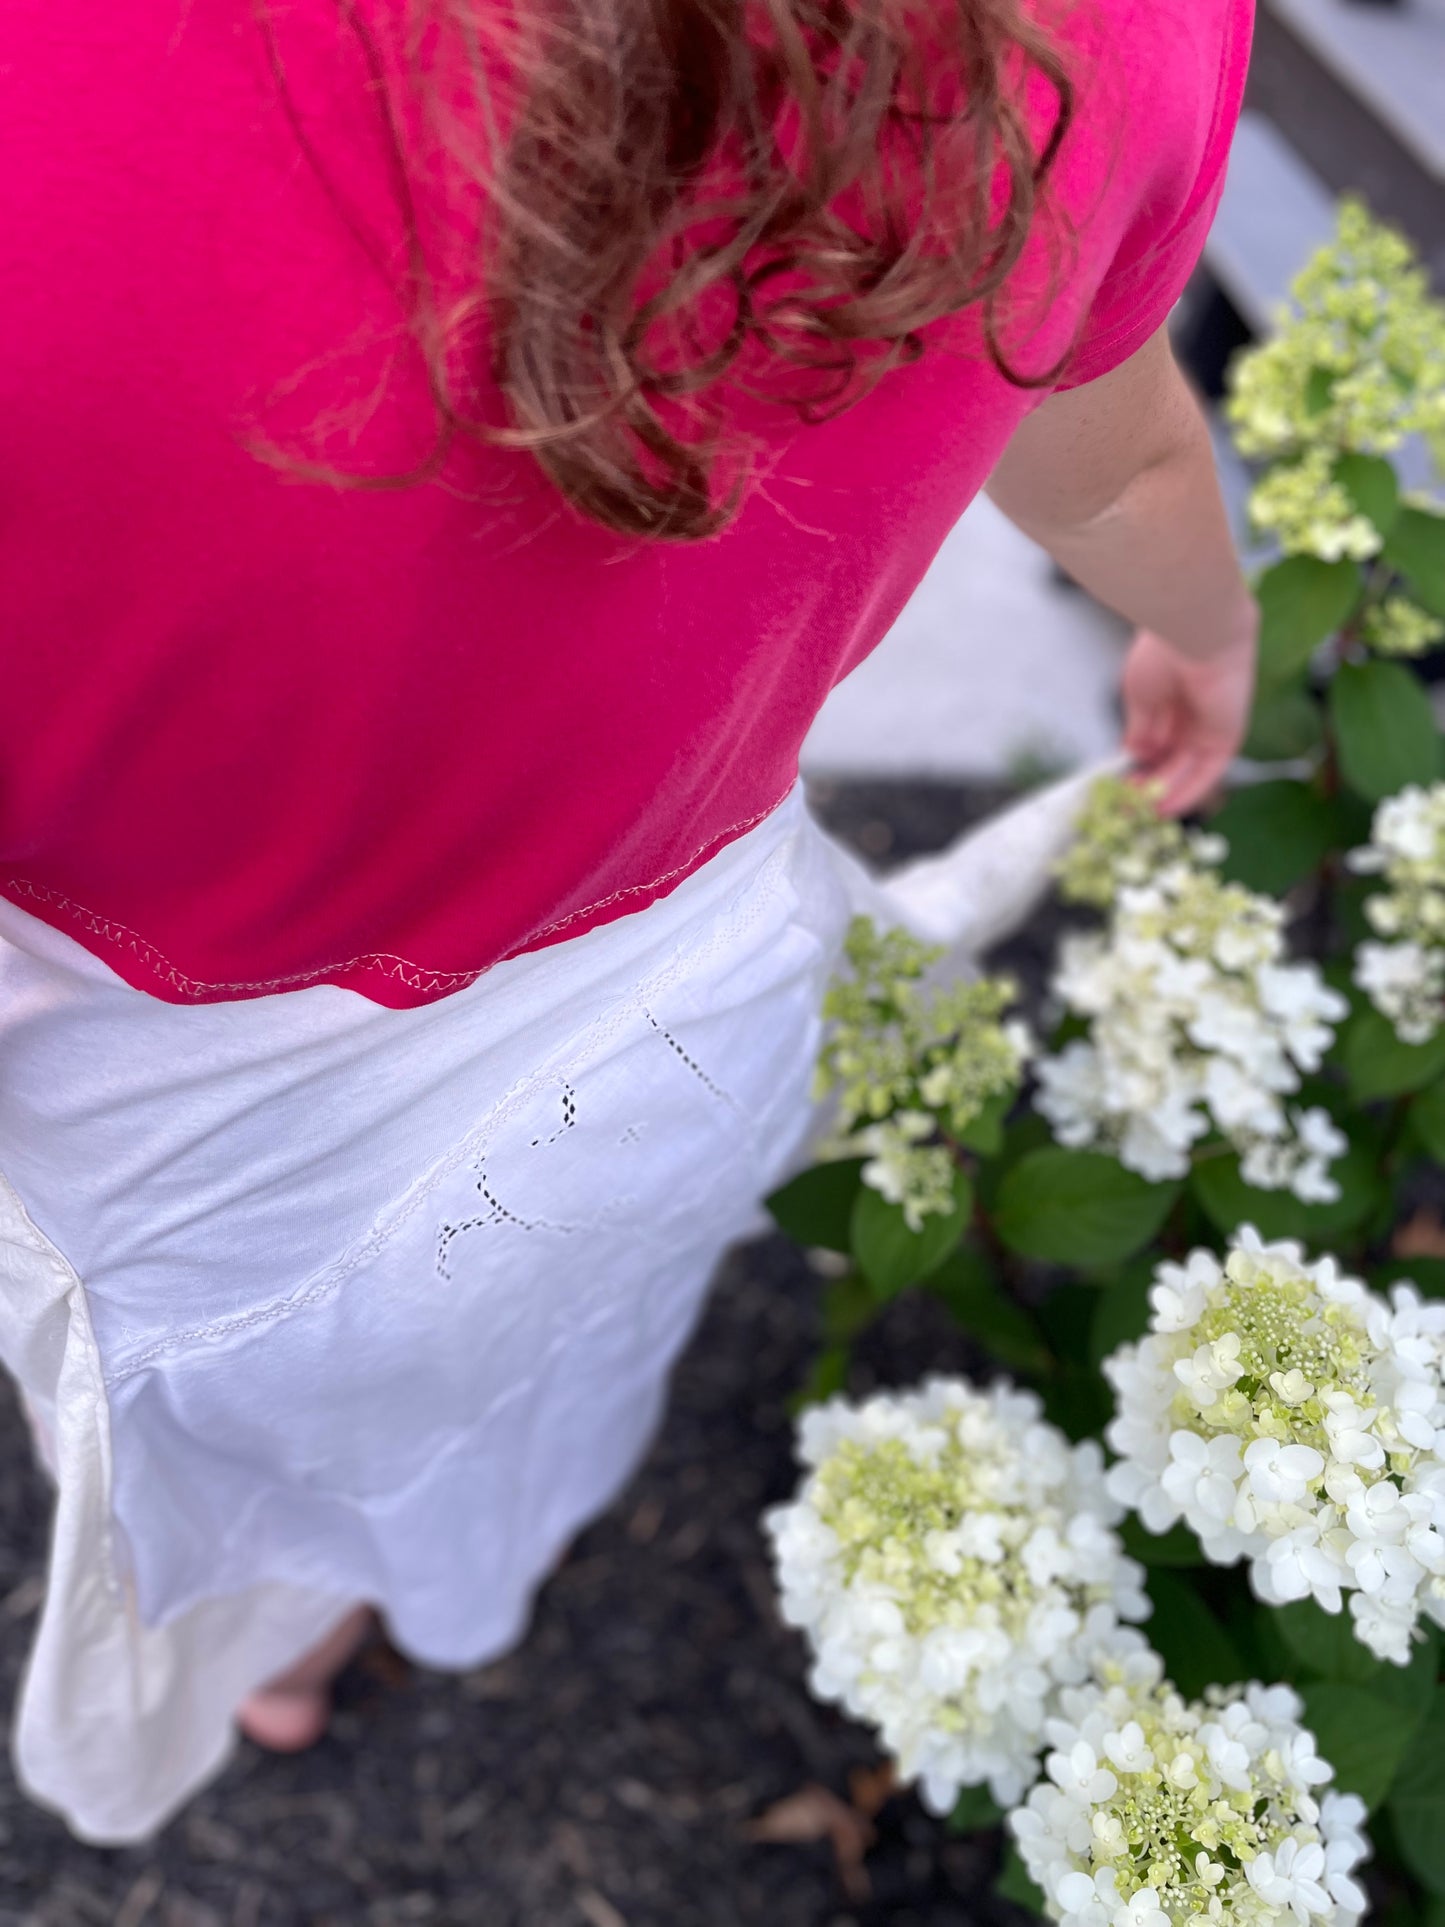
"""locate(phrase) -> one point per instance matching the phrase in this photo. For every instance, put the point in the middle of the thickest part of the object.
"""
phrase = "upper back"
(261, 731)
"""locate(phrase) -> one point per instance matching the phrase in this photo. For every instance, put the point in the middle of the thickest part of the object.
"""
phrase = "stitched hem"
(429, 982)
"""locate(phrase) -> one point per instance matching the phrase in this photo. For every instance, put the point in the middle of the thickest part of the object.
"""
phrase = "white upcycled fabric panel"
(316, 1301)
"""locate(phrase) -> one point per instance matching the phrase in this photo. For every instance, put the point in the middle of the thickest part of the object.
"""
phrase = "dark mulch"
(608, 1773)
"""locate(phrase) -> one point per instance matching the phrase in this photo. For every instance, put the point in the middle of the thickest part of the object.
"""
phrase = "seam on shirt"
(385, 963)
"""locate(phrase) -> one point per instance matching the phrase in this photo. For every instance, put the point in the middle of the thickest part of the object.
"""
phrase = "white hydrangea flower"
(951, 1559)
(1398, 627)
(1404, 975)
(1294, 1419)
(1162, 1812)
(904, 1167)
(1303, 505)
(1197, 1022)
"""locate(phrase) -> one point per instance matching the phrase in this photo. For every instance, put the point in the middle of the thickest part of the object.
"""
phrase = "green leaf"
(848, 1306)
(1417, 1803)
(1121, 1311)
(1302, 603)
(1285, 723)
(827, 1374)
(1426, 1273)
(1363, 1736)
(1176, 1547)
(1403, 1910)
(1229, 1202)
(1022, 1134)
(1196, 1650)
(974, 1810)
(1412, 1687)
(1277, 833)
(1319, 390)
(1378, 1065)
(1078, 1208)
(1427, 1114)
(1384, 728)
(1066, 1315)
(816, 1207)
(891, 1255)
(1373, 487)
(1013, 1884)
(1327, 1644)
(1416, 547)
(1324, 1642)
(1076, 1396)
(981, 1306)
(1077, 1400)
(985, 1134)
(1273, 1658)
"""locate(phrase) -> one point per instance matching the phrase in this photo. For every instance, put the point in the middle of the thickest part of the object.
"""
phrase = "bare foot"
(293, 1710)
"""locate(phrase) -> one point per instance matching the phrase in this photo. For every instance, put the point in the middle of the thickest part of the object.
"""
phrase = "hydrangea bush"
(1163, 1605)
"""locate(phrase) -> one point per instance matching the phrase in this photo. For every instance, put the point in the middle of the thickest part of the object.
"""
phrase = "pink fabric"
(257, 732)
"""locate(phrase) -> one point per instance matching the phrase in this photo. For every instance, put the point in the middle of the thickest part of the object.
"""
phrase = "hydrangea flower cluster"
(951, 1559)
(1396, 626)
(1120, 838)
(912, 1065)
(1311, 511)
(1165, 1812)
(1196, 1022)
(1404, 976)
(1358, 367)
(1292, 1418)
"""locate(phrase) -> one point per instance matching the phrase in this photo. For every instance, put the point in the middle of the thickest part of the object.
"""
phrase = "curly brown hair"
(695, 201)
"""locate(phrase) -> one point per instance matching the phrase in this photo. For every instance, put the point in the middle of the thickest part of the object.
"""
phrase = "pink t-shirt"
(258, 733)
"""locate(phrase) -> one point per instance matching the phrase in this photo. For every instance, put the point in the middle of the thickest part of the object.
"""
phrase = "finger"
(1184, 780)
(1155, 733)
(1214, 761)
(1151, 720)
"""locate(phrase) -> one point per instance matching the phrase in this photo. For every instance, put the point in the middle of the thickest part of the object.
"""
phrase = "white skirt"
(316, 1302)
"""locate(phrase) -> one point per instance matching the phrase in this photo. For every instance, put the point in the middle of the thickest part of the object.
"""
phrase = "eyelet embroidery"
(498, 1214)
(569, 1117)
(691, 1062)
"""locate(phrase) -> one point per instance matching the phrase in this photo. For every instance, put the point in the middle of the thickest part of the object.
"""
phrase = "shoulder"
(1158, 82)
(1158, 86)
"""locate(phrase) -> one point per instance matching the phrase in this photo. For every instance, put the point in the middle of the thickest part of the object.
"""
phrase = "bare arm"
(1116, 480)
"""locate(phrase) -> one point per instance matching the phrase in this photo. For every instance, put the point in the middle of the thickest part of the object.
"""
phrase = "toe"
(285, 1722)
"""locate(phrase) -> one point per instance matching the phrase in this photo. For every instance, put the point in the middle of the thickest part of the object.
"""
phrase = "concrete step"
(1274, 213)
(1392, 58)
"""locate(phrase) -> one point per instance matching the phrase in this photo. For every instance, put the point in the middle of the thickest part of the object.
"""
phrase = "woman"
(447, 461)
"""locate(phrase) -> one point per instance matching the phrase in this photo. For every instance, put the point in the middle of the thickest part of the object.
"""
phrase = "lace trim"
(432, 983)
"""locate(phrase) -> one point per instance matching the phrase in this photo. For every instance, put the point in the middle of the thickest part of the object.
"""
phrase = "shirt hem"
(146, 967)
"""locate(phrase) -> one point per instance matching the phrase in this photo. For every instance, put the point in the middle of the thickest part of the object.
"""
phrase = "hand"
(1185, 718)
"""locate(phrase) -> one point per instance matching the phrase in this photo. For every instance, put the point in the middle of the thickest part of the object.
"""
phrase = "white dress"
(314, 1301)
